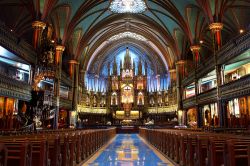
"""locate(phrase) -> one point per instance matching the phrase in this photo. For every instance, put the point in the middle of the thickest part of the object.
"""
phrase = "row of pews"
(52, 148)
(196, 148)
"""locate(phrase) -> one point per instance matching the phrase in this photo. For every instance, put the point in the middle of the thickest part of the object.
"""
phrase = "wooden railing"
(236, 88)
(189, 102)
(14, 88)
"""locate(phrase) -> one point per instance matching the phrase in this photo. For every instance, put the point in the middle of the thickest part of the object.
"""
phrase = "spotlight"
(241, 30)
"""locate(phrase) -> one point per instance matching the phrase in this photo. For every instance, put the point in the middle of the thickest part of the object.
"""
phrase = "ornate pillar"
(196, 54)
(179, 76)
(57, 81)
(82, 77)
(74, 67)
(217, 43)
(216, 28)
(38, 27)
(74, 73)
(172, 73)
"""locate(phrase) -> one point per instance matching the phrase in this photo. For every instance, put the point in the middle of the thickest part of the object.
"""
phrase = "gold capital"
(216, 26)
(38, 24)
(172, 70)
(60, 48)
(73, 62)
(180, 62)
(195, 48)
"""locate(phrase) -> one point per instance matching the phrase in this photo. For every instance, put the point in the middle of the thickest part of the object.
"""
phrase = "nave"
(106, 147)
(128, 150)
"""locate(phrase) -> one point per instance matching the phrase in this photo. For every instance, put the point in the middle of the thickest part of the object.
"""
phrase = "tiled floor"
(127, 150)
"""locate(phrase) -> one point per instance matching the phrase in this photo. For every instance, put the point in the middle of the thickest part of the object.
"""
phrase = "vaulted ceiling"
(170, 26)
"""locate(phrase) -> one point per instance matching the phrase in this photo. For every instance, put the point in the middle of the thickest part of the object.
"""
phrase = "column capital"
(73, 62)
(195, 48)
(180, 62)
(82, 71)
(38, 24)
(172, 70)
(216, 26)
(60, 48)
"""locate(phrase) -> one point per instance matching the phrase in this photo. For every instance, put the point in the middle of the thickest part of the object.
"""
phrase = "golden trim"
(216, 26)
(60, 48)
(38, 24)
(195, 48)
(172, 70)
(180, 62)
(73, 62)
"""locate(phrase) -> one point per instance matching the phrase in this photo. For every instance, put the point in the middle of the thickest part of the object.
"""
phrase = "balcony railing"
(237, 88)
(14, 88)
(207, 96)
(189, 102)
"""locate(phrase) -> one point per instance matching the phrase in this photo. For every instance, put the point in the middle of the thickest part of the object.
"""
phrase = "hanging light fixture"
(128, 6)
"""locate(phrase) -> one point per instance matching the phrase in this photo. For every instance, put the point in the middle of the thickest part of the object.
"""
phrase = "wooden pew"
(18, 154)
(236, 152)
(3, 155)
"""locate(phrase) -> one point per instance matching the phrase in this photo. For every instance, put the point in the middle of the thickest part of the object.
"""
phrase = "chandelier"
(128, 6)
(127, 35)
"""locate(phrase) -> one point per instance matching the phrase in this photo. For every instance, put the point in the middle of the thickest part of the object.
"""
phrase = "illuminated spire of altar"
(140, 67)
(114, 67)
(127, 60)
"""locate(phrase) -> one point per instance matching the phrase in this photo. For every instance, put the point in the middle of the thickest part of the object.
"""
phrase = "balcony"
(189, 102)
(189, 78)
(237, 88)
(207, 96)
(14, 88)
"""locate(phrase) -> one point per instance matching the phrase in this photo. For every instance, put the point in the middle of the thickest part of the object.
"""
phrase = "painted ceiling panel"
(181, 6)
(102, 17)
(153, 17)
(42, 5)
(75, 39)
(180, 37)
(212, 6)
(75, 4)
(168, 22)
(101, 6)
(155, 6)
(87, 22)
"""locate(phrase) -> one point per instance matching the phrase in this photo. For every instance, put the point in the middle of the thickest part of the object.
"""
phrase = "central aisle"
(128, 150)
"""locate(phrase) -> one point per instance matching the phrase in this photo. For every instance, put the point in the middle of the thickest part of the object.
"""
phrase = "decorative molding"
(234, 48)
(189, 102)
(66, 79)
(207, 97)
(64, 103)
(16, 45)
(237, 88)
(216, 26)
(189, 79)
(14, 88)
(230, 50)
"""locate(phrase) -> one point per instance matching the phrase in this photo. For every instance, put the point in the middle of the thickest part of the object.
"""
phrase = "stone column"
(216, 28)
(217, 43)
(74, 73)
(38, 27)
(179, 76)
(196, 53)
(172, 73)
(57, 81)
